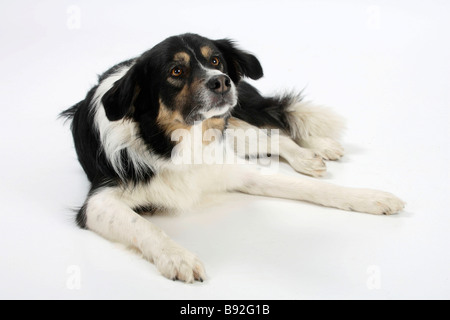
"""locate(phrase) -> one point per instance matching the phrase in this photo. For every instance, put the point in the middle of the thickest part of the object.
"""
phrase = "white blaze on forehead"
(210, 72)
(206, 93)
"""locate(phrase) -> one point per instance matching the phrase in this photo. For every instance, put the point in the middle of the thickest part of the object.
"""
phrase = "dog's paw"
(177, 263)
(312, 165)
(327, 148)
(374, 202)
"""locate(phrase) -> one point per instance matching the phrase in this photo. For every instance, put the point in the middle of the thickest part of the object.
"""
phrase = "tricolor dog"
(131, 137)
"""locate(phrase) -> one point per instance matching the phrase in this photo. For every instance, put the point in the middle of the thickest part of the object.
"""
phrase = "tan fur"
(169, 120)
(308, 120)
(182, 57)
(183, 96)
(173, 120)
(206, 52)
(237, 123)
(215, 124)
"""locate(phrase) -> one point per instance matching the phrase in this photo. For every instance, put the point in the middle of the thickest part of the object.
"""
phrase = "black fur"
(240, 63)
(263, 112)
(81, 217)
(87, 140)
(136, 97)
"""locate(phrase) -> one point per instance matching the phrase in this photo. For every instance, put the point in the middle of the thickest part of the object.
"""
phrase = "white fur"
(316, 128)
(329, 195)
(110, 216)
(214, 112)
(327, 148)
(207, 96)
(120, 135)
(109, 211)
(309, 120)
(302, 160)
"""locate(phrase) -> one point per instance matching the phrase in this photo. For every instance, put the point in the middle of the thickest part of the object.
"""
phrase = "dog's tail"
(69, 114)
(289, 113)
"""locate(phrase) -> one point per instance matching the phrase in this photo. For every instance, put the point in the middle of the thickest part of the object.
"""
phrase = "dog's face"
(197, 86)
(181, 80)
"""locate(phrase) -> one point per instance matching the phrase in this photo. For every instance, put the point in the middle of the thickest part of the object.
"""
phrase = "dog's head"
(181, 80)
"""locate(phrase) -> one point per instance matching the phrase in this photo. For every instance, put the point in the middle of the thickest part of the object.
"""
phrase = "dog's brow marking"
(182, 57)
(206, 52)
(196, 59)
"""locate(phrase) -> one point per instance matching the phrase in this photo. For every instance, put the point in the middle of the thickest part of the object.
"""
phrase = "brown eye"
(215, 61)
(176, 72)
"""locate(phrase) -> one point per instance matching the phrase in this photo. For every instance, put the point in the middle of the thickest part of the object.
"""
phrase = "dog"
(131, 126)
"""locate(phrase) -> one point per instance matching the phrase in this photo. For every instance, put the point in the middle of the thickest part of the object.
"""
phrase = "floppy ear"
(240, 63)
(117, 101)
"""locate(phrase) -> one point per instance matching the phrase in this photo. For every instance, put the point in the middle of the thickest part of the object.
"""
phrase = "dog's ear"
(240, 63)
(118, 100)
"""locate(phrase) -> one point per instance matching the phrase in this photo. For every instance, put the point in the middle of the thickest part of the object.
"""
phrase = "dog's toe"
(330, 149)
(177, 263)
(315, 166)
(327, 148)
(374, 202)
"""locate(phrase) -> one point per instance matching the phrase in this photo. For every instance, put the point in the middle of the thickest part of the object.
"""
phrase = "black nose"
(219, 84)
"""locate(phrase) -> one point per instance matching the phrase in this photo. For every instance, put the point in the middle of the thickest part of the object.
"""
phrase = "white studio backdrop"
(383, 65)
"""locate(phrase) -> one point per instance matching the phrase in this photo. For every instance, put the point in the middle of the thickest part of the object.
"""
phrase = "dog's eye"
(215, 61)
(176, 72)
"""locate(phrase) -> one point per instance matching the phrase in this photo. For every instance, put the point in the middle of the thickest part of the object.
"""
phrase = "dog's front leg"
(319, 192)
(108, 214)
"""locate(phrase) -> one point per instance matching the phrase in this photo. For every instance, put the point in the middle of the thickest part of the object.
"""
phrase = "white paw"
(308, 163)
(373, 201)
(177, 263)
(327, 148)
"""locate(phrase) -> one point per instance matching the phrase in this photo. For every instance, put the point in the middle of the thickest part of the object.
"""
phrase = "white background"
(383, 65)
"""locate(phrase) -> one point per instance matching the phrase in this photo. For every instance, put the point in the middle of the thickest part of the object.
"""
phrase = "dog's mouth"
(219, 111)
(217, 106)
(218, 101)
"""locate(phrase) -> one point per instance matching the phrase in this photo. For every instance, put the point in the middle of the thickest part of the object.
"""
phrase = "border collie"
(130, 134)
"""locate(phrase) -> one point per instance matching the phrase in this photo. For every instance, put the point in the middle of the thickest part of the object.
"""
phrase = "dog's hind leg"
(310, 126)
(247, 138)
(316, 128)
